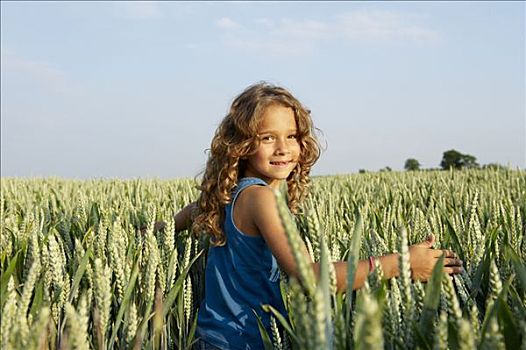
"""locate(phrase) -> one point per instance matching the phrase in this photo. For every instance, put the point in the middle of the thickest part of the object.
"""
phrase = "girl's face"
(279, 150)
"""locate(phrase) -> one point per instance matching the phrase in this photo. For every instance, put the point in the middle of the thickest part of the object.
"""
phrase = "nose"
(282, 147)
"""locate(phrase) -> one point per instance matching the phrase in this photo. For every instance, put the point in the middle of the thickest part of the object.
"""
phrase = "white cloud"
(40, 73)
(383, 26)
(267, 22)
(227, 23)
(296, 37)
(273, 48)
(305, 29)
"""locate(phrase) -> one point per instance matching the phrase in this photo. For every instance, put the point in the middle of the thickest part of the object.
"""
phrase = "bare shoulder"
(260, 204)
(256, 200)
(257, 203)
(258, 195)
(251, 207)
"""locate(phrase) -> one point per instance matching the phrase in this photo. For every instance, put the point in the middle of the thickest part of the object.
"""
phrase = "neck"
(272, 183)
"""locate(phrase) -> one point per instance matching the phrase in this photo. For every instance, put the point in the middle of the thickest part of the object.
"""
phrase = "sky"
(137, 89)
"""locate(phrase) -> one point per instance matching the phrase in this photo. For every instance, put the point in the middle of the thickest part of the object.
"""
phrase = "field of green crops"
(76, 273)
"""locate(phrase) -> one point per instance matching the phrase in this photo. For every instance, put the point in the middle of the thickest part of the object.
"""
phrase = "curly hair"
(236, 139)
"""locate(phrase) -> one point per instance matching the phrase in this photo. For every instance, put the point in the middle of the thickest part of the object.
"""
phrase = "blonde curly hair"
(236, 139)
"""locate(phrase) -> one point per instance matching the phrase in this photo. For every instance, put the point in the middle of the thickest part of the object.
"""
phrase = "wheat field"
(77, 274)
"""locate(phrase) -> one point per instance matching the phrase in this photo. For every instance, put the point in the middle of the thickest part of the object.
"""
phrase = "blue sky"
(136, 89)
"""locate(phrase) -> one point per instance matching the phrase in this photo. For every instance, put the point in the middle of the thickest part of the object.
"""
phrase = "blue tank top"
(240, 276)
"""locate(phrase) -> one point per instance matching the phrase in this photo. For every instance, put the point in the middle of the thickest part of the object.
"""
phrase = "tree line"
(453, 159)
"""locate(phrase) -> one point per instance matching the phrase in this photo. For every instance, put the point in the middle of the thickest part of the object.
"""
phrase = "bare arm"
(422, 259)
(183, 219)
(388, 262)
(266, 218)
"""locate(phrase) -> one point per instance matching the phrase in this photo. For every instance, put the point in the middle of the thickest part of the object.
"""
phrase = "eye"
(292, 136)
(267, 138)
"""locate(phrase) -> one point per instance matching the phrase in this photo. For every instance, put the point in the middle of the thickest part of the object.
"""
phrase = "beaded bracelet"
(372, 263)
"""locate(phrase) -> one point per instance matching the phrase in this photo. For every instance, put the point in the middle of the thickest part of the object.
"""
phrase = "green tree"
(412, 164)
(456, 160)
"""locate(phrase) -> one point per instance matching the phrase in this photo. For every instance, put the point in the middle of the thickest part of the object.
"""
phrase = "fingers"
(159, 225)
(453, 270)
(452, 262)
(453, 265)
(449, 253)
(446, 252)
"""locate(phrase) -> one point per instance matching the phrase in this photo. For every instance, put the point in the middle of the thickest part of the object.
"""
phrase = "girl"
(267, 138)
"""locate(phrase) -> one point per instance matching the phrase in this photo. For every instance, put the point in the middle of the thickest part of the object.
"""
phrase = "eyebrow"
(275, 131)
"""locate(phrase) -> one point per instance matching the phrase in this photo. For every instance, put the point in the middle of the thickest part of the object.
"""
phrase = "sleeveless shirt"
(240, 276)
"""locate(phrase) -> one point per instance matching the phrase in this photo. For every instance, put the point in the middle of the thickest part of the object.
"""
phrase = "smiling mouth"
(281, 163)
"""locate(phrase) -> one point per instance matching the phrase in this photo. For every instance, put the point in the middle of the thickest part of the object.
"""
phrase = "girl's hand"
(182, 220)
(423, 257)
(159, 225)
